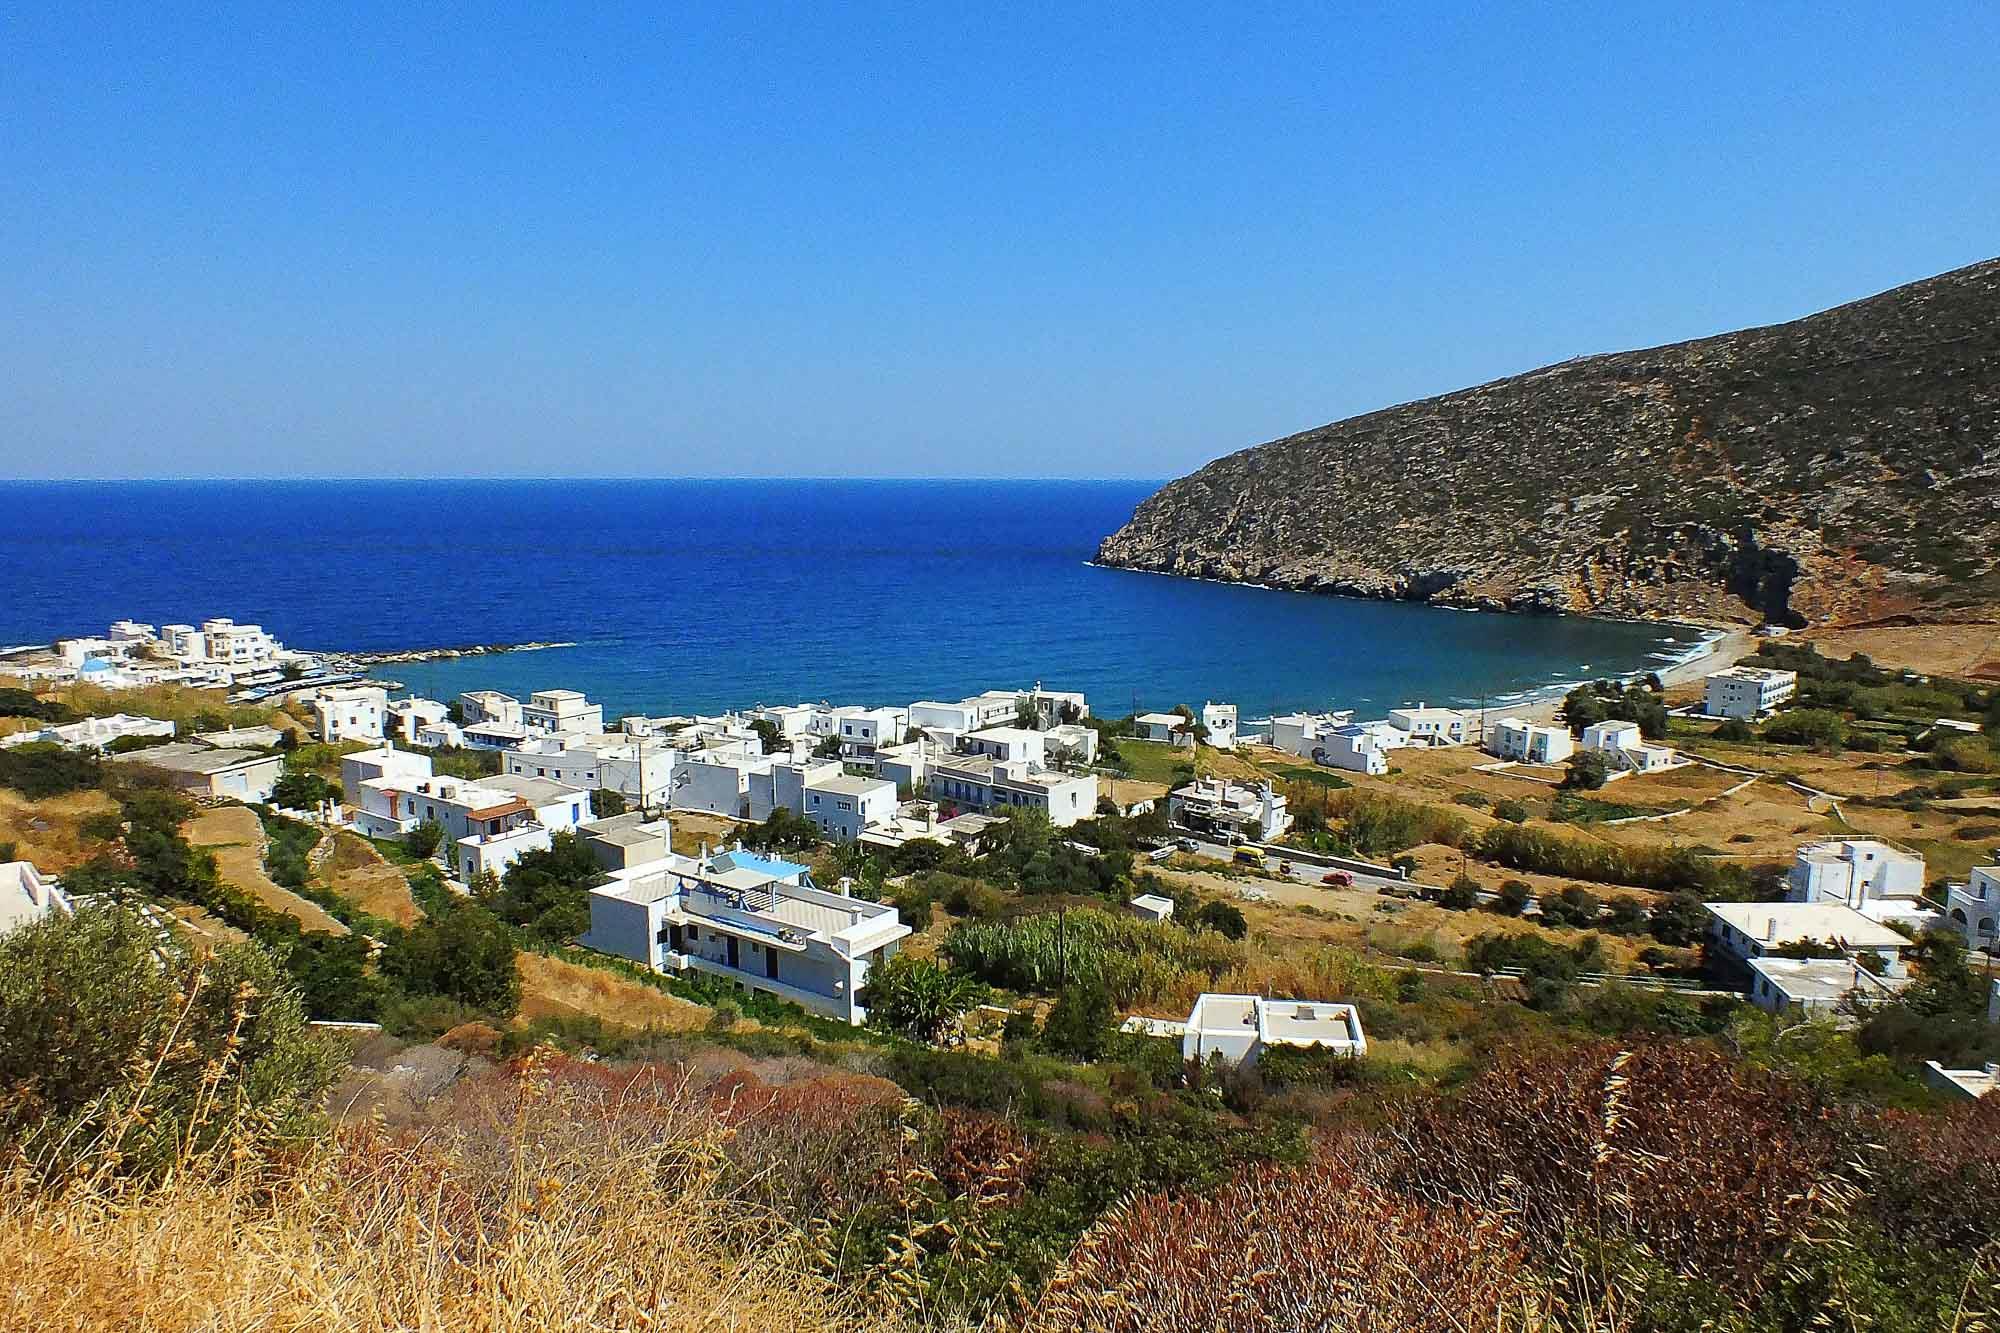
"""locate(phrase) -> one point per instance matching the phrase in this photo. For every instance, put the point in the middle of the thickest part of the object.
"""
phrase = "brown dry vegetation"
(536, 1205)
(360, 875)
(1943, 650)
(48, 832)
(555, 987)
(235, 837)
(694, 828)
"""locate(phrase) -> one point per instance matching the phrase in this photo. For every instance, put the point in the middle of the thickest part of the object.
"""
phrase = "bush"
(423, 841)
(42, 769)
(1511, 810)
(463, 953)
(301, 789)
(107, 1039)
(1224, 918)
(1477, 800)
(1574, 906)
(1079, 1023)
(1462, 895)
(1820, 728)
(1514, 897)
(1734, 730)
(1965, 754)
(606, 803)
(918, 997)
(1587, 771)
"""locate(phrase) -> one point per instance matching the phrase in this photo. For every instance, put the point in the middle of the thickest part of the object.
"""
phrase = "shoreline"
(390, 656)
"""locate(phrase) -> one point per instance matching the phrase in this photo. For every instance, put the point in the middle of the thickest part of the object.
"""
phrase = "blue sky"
(924, 239)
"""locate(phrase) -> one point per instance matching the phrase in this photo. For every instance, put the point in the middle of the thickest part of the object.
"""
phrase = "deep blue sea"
(691, 596)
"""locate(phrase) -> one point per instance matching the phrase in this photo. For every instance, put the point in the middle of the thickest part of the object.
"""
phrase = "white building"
(1529, 742)
(238, 646)
(562, 713)
(1152, 907)
(988, 786)
(1425, 725)
(1971, 1084)
(489, 706)
(717, 783)
(638, 768)
(1817, 985)
(762, 924)
(1220, 722)
(237, 775)
(551, 757)
(26, 896)
(92, 733)
(1972, 907)
(1226, 810)
(845, 807)
(1010, 744)
(1166, 728)
(1881, 882)
(781, 785)
(409, 717)
(1750, 931)
(863, 730)
(1074, 737)
(1747, 693)
(386, 762)
(793, 721)
(350, 713)
(1238, 1029)
(1625, 747)
(133, 632)
(1298, 733)
(487, 823)
(959, 718)
(1358, 747)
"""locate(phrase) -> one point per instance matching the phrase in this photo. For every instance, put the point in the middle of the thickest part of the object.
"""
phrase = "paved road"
(1303, 872)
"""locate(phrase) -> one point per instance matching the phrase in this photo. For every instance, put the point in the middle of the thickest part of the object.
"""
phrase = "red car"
(1339, 879)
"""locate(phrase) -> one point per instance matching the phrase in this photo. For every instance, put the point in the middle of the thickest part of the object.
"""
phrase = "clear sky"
(921, 240)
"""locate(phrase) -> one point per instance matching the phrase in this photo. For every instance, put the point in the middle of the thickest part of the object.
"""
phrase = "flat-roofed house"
(1238, 1029)
(1529, 742)
(1746, 692)
(350, 713)
(1426, 725)
(1973, 906)
(28, 895)
(1879, 881)
(1749, 931)
(199, 771)
(760, 923)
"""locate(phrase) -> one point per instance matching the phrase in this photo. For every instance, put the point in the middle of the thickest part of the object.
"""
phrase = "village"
(478, 782)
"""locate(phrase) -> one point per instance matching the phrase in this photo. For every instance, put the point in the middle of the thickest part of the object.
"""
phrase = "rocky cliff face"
(1842, 467)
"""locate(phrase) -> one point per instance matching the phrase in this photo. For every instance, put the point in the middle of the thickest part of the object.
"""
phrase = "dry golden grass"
(554, 987)
(177, 703)
(48, 832)
(1948, 650)
(694, 828)
(236, 838)
(536, 1207)
(360, 875)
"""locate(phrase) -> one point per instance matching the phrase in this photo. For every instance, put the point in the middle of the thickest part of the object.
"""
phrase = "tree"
(1510, 810)
(465, 954)
(1513, 898)
(1680, 920)
(829, 748)
(547, 890)
(784, 829)
(605, 802)
(768, 735)
(424, 840)
(1079, 1022)
(1253, 832)
(919, 997)
(1819, 728)
(1224, 918)
(1574, 906)
(1026, 715)
(1587, 771)
(1462, 895)
(302, 789)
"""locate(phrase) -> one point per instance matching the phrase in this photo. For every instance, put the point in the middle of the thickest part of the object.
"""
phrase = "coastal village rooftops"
(769, 899)
(1755, 675)
(537, 791)
(848, 785)
(1823, 982)
(1774, 925)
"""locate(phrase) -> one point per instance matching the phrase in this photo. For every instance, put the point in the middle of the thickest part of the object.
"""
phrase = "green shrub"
(41, 769)
(1511, 810)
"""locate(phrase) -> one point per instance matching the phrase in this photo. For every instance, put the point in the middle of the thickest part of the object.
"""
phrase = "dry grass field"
(357, 872)
(233, 834)
(555, 987)
(49, 832)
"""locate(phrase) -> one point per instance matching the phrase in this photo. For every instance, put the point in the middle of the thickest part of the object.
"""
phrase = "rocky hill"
(1843, 467)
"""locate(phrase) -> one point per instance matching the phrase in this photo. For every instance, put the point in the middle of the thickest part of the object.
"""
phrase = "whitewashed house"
(1749, 931)
(1165, 728)
(26, 895)
(781, 785)
(1817, 985)
(350, 713)
(1625, 747)
(760, 923)
(92, 733)
(1879, 881)
(1238, 1029)
(1079, 740)
(1220, 722)
(1010, 744)
(989, 786)
(1298, 733)
(717, 783)
(1529, 742)
(845, 807)
(202, 772)
(552, 758)
(488, 823)
(1152, 907)
(1227, 810)
(1972, 907)
(409, 717)
(1358, 747)
(1746, 692)
(863, 730)
(562, 713)
(1425, 725)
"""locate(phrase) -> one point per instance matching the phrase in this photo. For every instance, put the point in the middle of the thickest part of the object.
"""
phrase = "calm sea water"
(697, 595)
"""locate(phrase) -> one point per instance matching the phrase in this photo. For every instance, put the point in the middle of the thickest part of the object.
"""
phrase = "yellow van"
(1250, 856)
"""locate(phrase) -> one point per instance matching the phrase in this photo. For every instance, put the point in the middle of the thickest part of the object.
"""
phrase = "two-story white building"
(350, 713)
(1749, 931)
(1358, 747)
(759, 923)
(487, 823)
(562, 713)
(1746, 692)
(990, 786)
(1298, 733)
(1626, 748)
(1229, 810)
(408, 718)
(781, 784)
(1219, 720)
(1879, 881)
(1165, 728)
(1009, 744)
(1529, 742)
(863, 730)
(845, 807)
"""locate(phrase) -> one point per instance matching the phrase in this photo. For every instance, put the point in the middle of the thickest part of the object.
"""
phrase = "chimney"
(1770, 929)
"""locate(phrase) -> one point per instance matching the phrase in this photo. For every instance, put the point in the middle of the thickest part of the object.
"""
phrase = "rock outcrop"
(1838, 468)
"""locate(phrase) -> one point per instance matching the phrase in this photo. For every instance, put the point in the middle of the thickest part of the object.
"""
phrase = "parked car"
(1188, 845)
(1339, 879)
(1160, 854)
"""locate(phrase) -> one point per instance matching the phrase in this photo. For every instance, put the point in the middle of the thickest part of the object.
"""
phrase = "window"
(693, 933)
